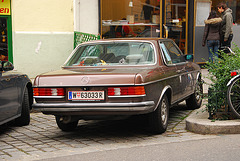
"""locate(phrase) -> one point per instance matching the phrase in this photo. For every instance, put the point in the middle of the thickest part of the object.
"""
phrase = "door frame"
(163, 20)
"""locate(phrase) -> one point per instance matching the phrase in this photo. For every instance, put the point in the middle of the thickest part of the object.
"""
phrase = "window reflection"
(171, 53)
(3, 39)
(130, 18)
(175, 21)
(112, 54)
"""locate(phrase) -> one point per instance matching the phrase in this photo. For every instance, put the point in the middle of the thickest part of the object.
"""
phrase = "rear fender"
(168, 91)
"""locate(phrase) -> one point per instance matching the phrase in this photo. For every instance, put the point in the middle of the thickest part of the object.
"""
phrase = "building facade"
(38, 36)
(180, 20)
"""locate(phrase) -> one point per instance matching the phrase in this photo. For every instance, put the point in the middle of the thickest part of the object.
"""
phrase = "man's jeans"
(213, 46)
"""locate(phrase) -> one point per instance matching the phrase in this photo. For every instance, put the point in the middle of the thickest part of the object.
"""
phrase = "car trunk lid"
(87, 77)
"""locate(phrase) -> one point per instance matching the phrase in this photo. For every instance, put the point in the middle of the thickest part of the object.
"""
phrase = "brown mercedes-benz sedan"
(119, 77)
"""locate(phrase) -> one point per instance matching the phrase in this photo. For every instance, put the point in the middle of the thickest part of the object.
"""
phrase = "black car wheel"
(195, 100)
(24, 119)
(66, 126)
(158, 119)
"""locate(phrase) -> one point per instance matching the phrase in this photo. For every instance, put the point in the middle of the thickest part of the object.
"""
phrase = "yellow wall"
(43, 15)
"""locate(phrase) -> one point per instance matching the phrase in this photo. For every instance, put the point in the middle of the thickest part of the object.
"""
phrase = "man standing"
(226, 25)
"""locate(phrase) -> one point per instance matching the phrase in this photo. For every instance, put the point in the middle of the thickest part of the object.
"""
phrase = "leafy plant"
(219, 75)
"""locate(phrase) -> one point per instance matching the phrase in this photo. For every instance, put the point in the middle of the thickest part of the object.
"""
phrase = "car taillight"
(121, 91)
(48, 92)
(234, 74)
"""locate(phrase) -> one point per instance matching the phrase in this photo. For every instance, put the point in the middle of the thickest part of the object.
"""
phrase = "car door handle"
(180, 71)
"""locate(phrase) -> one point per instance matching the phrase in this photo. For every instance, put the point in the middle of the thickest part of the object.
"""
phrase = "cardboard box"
(156, 19)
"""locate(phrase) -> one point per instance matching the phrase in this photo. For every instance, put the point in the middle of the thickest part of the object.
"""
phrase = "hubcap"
(164, 112)
(198, 93)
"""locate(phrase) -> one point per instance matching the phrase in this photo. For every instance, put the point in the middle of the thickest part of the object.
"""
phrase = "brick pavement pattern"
(43, 138)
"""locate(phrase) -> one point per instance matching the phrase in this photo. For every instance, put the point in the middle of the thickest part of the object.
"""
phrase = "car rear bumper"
(95, 108)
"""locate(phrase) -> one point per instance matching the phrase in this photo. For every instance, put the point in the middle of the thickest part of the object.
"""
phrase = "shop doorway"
(175, 20)
(3, 39)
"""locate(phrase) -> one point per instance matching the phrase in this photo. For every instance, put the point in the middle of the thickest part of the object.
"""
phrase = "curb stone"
(198, 122)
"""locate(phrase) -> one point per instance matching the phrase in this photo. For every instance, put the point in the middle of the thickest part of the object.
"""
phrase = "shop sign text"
(5, 7)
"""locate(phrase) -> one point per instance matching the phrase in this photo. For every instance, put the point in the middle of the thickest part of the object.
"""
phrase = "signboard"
(5, 7)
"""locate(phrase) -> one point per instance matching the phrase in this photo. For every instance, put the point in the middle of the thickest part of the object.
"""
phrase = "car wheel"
(195, 100)
(66, 126)
(24, 119)
(158, 119)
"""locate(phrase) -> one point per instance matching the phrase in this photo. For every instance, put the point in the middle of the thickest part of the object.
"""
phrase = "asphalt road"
(221, 148)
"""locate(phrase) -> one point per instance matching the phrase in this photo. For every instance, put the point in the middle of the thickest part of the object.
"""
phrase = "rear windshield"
(121, 53)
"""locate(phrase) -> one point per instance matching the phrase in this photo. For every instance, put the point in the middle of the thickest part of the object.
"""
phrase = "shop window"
(130, 18)
(3, 39)
(175, 21)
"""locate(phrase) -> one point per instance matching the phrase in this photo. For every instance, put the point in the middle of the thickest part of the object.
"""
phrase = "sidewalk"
(198, 121)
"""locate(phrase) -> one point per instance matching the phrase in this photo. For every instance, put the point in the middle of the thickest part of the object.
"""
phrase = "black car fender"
(27, 84)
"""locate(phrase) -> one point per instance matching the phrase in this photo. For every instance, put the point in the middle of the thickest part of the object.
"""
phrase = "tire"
(66, 126)
(233, 96)
(24, 119)
(158, 120)
(195, 100)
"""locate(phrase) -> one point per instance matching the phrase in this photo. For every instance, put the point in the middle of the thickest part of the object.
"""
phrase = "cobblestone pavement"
(43, 139)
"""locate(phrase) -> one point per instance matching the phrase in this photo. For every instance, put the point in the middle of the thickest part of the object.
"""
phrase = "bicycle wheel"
(233, 96)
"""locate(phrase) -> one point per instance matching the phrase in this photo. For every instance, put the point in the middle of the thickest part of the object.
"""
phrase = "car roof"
(125, 39)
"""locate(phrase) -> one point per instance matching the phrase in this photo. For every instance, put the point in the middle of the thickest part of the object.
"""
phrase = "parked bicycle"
(233, 91)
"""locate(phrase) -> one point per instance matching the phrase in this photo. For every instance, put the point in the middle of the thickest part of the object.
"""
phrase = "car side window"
(170, 50)
(166, 54)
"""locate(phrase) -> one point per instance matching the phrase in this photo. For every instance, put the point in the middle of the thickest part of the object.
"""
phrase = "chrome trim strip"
(89, 85)
(48, 96)
(127, 96)
(159, 80)
(93, 107)
(129, 104)
(114, 85)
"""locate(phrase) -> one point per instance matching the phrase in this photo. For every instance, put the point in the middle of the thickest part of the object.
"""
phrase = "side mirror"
(6, 66)
(188, 57)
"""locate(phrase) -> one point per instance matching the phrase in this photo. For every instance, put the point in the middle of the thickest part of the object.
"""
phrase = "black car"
(15, 95)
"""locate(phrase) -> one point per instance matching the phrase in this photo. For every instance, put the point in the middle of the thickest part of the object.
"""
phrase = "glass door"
(175, 21)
